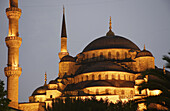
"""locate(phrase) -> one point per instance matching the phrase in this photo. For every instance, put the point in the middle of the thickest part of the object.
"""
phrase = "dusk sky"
(141, 21)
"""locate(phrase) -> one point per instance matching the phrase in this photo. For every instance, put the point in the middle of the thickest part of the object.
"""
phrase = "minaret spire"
(63, 51)
(63, 31)
(110, 33)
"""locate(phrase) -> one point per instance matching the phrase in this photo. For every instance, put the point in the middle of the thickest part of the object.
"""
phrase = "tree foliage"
(160, 82)
(4, 101)
(70, 104)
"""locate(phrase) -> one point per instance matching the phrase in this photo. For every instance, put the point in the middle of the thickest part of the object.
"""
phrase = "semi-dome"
(144, 53)
(40, 90)
(108, 42)
(68, 58)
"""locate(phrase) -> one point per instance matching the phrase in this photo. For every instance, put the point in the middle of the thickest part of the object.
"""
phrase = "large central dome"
(108, 42)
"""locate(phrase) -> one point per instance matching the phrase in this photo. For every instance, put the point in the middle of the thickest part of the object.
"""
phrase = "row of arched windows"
(115, 91)
(110, 56)
(106, 77)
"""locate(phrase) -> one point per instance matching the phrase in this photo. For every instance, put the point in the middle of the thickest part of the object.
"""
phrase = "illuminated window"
(87, 56)
(109, 55)
(115, 91)
(93, 55)
(106, 77)
(118, 77)
(113, 77)
(122, 92)
(107, 91)
(131, 92)
(124, 77)
(101, 54)
(92, 77)
(99, 77)
(97, 91)
(125, 55)
(117, 55)
(87, 78)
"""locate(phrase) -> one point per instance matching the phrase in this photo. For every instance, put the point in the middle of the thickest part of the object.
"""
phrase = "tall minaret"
(63, 51)
(13, 42)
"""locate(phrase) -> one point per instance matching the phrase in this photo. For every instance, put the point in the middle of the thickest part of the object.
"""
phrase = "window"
(87, 78)
(93, 55)
(109, 55)
(107, 91)
(82, 78)
(125, 55)
(118, 77)
(122, 92)
(117, 55)
(51, 96)
(99, 77)
(106, 77)
(115, 91)
(97, 91)
(101, 54)
(113, 77)
(124, 77)
(131, 92)
(92, 77)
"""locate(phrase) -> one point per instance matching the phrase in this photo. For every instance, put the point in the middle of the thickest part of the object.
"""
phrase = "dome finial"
(110, 23)
(144, 47)
(110, 33)
(45, 79)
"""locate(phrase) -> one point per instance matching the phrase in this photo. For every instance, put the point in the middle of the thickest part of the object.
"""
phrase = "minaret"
(13, 42)
(63, 51)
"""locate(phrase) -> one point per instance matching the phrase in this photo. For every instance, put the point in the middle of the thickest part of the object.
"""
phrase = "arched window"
(125, 55)
(117, 55)
(87, 78)
(99, 77)
(115, 91)
(109, 55)
(92, 77)
(97, 91)
(51, 96)
(124, 77)
(101, 54)
(118, 77)
(82, 78)
(106, 77)
(113, 77)
(122, 92)
(87, 56)
(93, 55)
(107, 91)
(131, 91)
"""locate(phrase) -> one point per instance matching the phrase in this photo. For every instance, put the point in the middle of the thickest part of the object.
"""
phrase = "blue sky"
(142, 21)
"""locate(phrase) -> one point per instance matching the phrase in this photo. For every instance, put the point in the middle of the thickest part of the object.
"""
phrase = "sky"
(141, 21)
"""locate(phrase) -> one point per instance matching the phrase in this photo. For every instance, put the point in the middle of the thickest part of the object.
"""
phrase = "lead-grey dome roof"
(108, 42)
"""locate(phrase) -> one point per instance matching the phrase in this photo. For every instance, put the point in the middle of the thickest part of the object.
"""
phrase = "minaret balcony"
(13, 12)
(13, 41)
(11, 71)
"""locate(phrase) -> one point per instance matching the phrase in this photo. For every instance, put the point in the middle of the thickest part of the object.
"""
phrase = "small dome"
(67, 58)
(40, 91)
(144, 53)
(111, 41)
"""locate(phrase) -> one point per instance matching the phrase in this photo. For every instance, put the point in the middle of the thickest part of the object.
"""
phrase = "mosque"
(108, 67)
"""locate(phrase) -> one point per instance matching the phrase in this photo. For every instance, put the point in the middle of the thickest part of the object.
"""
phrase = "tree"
(160, 82)
(4, 101)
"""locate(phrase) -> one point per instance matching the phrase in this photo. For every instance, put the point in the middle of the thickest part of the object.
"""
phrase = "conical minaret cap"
(63, 31)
